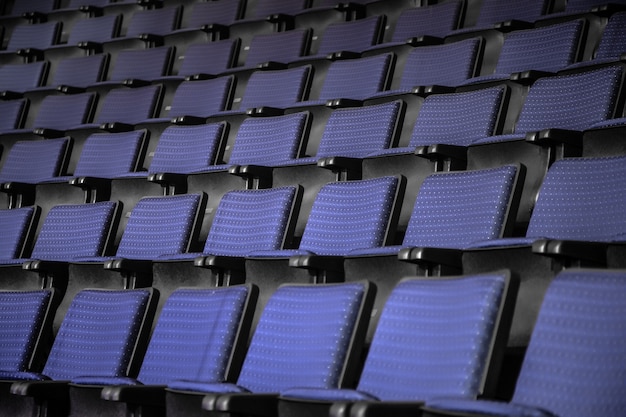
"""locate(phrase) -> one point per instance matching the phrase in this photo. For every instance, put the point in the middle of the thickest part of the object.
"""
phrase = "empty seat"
(118, 323)
(18, 226)
(306, 336)
(427, 21)
(519, 15)
(611, 45)
(27, 42)
(12, 115)
(74, 75)
(274, 50)
(406, 363)
(201, 334)
(204, 60)
(559, 376)
(15, 79)
(138, 67)
(87, 37)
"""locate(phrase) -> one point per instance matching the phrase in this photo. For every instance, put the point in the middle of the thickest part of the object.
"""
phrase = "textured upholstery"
(283, 47)
(193, 338)
(208, 58)
(302, 339)
(71, 231)
(574, 362)
(97, 336)
(496, 11)
(353, 36)
(38, 36)
(584, 99)
(26, 6)
(214, 12)
(63, 112)
(279, 88)
(406, 361)
(158, 226)
(14, 224)
(435, 20)
(11, 114)
(22, 77)
(143, 64)
(201, 98)
(155, 22)
(611, 45)
(109, 155)
(265, 8)
(22, 318)
(96, 29)
(81, 71)
(586, 5)
(34, 161)
(128, 105)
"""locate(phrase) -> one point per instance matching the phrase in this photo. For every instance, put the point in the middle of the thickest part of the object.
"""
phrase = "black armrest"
(68, 89)
(356, 10)
(135, 83)
(216, 30)
(93, 11)
(30, 53)
(41, 389)
(35, 17)
(426, 90)
(283, 21)
(327, 268)
(52, 267)
(338, 103)
(169, 179)
(129, 265)
(385, 408)
(95, 47)
(200, 77)
(428, 255)
(440, 151)
(188, 120)
(48, 133)
(96, 189)
(10, 95)
(136, 394)
(265, 405)
(22, 191)
(265, 111)
(271, 65)
(116, 127)
(549, 137)
(529, 77)
(261, 175)
(339, 55)
(572, 249)
(511, 25)
(424, 40)
(154, 40)
(608, 9)
(220, 262)
(346, 168)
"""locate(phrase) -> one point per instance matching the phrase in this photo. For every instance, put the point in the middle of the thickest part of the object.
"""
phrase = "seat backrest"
(95, 29)
(81, 71)
(214, 12)
(283, 47)
(304, 337)
(24, 317)
(611, 44)
(349, 215)
(353, 36)
(265, 8)
(114, 320)
(38, 36)
(356, 78)
(269, 140)
(458, 118)
(455, 209)
(154, 21)
(23, 77)
(16, 226)
(12, 114)
(584, 99)
(64, 111)
(209, 58)
(251, 220)
(357, 132)
(75, 230)
(185, 149)
(574, 364)
(278, 88)
(109, 155)
(129, 105)
(32, 161)
(144, 64)
(549, 48)
(586, 5)
(448, 64)
(208, 328)
(422, 315)
(201, 98)
(573, 189)
(160, 226)
(434, 20)
(27, 6)
(496, 11)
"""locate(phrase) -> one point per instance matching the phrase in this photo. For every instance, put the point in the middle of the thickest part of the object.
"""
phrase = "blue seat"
(15, 79)
(87, 37)
(611, 45)
(28, 41)
(118, 323)
(201, 334)
(138, 67)
(306, 336)
(204, 60)
(432, 21)
(18, 226)
(74, 75)
(124, 107)
(275, 50)
(406, 363)
(559, 376)
(12, 115)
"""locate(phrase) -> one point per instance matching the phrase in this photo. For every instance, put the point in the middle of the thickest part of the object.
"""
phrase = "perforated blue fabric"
(108, 155)
(21, 319)
(433, 338)
(581, 199)
(208, 58)
(435, 20)
(128, 105)
(63, 112)
(201, 98)
(250, 220)
(158, 226)
(354, 36)
(455, 209)
(154, 21)
(265, 140)
(97, 29)
(279, 88)
(210, 12)
(349, 215)
(278, 47)
(611, 44)
(586, 5)
(71, 231)
(495, 11)
(302, 338)
(356, 78)
(39, 36)
(185, 149)
(25, 6)
(98, 334)
(10, 114)
(81, 71)
(33, 161)
(14, 225)
(22, 77)
(144, 64)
